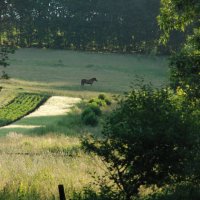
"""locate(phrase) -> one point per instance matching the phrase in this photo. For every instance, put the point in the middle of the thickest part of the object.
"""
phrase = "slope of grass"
(19, 107)
(60, 72)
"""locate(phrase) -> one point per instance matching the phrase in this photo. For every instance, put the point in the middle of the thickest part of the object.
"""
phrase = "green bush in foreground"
(150, 139)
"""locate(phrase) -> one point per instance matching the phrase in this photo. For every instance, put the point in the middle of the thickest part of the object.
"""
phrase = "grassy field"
(34, 161)
(32, 167)
(60, 72)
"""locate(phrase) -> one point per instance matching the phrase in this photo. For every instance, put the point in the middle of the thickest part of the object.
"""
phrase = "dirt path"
(54, 106)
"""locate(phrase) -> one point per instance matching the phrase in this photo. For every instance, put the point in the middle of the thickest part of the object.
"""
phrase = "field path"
(54, 106)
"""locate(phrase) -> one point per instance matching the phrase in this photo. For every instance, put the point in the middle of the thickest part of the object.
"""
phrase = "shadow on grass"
(69, 125)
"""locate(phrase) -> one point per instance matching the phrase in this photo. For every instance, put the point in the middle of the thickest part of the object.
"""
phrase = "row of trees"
(125, 26)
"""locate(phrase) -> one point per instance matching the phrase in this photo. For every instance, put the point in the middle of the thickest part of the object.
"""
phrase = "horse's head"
(94, 79)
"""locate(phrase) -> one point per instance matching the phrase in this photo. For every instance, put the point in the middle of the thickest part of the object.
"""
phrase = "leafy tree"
(124, 26)
(178, 15)
(148, 140)
(185, 66)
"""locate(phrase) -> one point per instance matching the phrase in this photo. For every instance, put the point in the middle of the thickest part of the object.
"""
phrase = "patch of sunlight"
(56, 105)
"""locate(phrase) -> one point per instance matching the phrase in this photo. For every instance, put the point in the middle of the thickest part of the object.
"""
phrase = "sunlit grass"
(39, 164)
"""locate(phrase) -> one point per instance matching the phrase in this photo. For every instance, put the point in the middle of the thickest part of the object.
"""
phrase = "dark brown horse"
(88, 81)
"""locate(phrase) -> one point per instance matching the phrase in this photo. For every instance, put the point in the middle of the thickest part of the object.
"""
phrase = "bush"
(150, 139)
(90, 118)
(99, 102)
(95, 108)
(86, 111)
(108, 102)
(102, 96)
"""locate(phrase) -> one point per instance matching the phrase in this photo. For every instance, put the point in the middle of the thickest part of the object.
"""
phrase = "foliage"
(102, 96)
(19, 107)
(95, 108)
(125, 26)
(185, 66)
(89, 117)
(183, 191)
(97, 101)
(5, 50)
(102, 100)
(185, 73)
(177, 15)
(148, 140)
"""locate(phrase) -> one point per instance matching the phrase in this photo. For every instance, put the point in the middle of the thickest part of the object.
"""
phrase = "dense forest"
(94, 25)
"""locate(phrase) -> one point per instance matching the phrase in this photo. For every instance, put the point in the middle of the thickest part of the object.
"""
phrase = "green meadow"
(59, 71)
(34, 161)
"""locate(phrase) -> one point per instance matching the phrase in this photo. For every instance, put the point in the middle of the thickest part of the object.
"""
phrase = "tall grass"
(32, 167)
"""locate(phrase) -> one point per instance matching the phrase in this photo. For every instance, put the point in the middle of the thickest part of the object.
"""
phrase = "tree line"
(115, 26)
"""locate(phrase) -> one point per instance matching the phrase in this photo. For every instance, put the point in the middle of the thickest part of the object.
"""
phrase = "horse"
(88, 81)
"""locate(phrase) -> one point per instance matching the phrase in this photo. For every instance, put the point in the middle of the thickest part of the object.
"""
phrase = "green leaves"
(177, 15)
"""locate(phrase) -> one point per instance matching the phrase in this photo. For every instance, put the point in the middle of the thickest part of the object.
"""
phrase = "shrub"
(90, 118)
(108, 102)
(99, 102)
(102, 96)
(95, 108)
(91, 101)
(86, 111)
(148, 140)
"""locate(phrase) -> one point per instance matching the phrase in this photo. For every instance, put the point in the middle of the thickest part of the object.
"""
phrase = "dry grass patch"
(35, 166)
